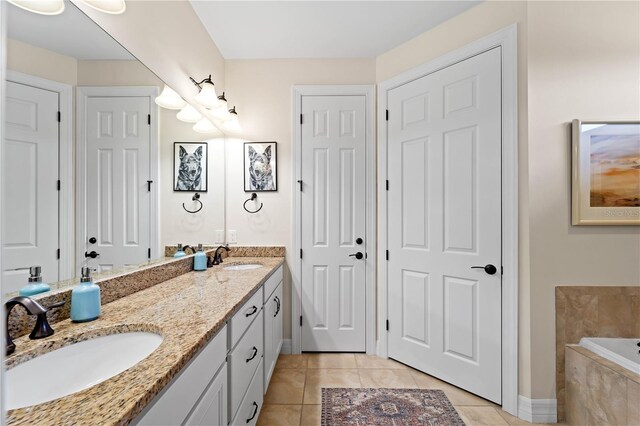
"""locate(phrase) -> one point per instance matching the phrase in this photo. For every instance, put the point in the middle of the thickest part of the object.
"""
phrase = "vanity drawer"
(272, 283)
(244, 317)
(243, 362)
(250, 406)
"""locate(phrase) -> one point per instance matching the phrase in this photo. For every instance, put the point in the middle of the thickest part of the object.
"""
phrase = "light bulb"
(170, 99)
(189, 114)
(41, 7)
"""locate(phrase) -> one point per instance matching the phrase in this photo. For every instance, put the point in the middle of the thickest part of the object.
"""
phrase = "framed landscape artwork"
(605, 173)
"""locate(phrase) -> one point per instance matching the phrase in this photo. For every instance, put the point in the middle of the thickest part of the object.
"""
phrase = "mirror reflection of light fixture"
(205, 126)
(114, 7)
(207, 96)
(170, 99)
(221, 112)
(233, 124)
(189, 114)
(41, 7)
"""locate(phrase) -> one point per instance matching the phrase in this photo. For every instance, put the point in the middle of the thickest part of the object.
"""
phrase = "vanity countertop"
(187, 311)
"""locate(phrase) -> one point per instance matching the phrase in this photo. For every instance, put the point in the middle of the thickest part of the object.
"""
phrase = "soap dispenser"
(35, 286)
(85, 298)
(179, 251)
(200, 260)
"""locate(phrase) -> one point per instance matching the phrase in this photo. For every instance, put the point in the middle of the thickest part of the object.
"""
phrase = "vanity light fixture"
(207, 96)
(221, 112)
(170, 99)
(114, 7)
(205, 126)
(189, 114)
(41, 7)
(233, 124)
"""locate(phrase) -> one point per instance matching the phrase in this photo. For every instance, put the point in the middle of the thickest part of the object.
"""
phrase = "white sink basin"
(76, 367)
(243, 267)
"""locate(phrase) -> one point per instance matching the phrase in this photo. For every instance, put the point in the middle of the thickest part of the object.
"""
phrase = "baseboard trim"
(286, 347)
(537, 410)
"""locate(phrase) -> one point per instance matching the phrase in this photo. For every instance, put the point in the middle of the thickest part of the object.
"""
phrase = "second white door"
(333, 223)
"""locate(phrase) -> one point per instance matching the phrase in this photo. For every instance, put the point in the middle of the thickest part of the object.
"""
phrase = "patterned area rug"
(387, 407)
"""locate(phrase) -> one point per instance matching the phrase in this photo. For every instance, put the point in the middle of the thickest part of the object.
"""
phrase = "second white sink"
(76, 367)
(243, 267)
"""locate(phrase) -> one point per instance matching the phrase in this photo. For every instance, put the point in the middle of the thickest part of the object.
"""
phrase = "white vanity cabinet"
(197, 395)
(272, 331)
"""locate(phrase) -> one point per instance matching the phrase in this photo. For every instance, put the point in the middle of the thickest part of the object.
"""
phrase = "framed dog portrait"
(260, 166)
(190, 164)
(605, 173)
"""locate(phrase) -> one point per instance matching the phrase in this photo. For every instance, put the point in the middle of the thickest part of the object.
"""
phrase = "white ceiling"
(71, 33)
(319, 29)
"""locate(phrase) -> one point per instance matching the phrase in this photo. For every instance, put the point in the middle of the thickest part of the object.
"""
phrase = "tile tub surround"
(239, 251)
(187, 311)
(590, 311)
(599, 391)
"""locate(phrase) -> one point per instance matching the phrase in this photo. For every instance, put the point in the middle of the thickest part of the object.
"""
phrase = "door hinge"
(387, 325)
(58, 254)
(301, 119)
(149, 182)
(59, 117)
(300, 253)
(300, 320)
(387, 115)
(387, 184)
(58, 185)
(300, 182)
(502, 270)
(149, 253)
(387, 254)
(149, 119)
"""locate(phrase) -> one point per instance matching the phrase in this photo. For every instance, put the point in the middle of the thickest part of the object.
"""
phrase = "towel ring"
(254, 196)
(195, 198)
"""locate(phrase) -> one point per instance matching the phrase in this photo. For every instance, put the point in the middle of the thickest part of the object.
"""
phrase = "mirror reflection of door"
(30, 191)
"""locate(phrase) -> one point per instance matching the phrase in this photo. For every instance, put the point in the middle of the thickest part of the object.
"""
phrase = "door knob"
(357, 255)
(359, 241)
(91, 254)
(93, 240)
(489, 269)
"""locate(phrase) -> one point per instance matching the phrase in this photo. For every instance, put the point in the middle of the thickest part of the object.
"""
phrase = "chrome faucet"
(42, 328)
(217, 256)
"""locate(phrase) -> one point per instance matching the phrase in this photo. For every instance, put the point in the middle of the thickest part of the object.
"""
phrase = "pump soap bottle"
(35, 286)
(179, 251)
(200, 260)
(85, 298)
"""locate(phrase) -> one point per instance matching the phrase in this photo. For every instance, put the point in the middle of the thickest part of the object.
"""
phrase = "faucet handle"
(55, 305)
(42, 328)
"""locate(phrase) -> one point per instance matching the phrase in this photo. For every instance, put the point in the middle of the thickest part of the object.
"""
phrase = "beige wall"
(584, 62)
(28, 59)
(263, 92)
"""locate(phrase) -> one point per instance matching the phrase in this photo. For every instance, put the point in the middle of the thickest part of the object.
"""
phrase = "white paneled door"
(117, 194)
(30, 192)
(444, 224)
(333, 223)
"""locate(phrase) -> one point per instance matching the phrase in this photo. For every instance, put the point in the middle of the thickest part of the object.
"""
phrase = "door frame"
(83, 93)
(507, 40)
(368, 91)
(65, 169)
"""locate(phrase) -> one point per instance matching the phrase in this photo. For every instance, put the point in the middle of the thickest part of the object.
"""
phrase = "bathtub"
(624, 352)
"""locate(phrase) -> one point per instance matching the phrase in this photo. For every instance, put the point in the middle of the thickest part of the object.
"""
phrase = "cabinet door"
(212, 408)
(278, 323)
(269, 310)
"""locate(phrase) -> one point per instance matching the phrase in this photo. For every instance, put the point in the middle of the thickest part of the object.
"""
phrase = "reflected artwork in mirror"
(88, 161)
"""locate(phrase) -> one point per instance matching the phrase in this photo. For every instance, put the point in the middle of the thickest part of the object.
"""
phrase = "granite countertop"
(187, 311)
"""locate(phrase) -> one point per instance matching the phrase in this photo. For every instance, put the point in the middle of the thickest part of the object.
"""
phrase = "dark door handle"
(255, 411)
(357, 255)
(255, 352)
(359, 241)
(489, 269)
(92, 254)
(253, 311)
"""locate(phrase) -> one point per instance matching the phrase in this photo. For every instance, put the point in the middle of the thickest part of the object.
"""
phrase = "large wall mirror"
(95, 187)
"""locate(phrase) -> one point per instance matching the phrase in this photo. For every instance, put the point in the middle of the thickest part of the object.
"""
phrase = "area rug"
(387, 407)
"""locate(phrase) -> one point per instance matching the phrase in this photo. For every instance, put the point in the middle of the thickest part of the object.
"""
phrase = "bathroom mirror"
(88, 165)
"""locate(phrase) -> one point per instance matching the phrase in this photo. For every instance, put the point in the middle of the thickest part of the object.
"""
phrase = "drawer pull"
(253, 311)
(255, 411)
(255, 352)
(277, 300)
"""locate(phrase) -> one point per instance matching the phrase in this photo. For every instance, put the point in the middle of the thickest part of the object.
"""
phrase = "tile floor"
(293, 397)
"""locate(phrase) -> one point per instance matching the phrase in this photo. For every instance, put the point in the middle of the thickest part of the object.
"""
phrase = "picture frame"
(260, 166)
(190, 166)
(605, 181)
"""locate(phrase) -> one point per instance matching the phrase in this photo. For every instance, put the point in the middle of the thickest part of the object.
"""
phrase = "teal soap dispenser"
(35, 286)
(179, 251)
(200, 260)
(85, 298)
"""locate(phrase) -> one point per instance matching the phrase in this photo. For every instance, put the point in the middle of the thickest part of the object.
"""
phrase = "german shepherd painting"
(260, 166)
(190, 167)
